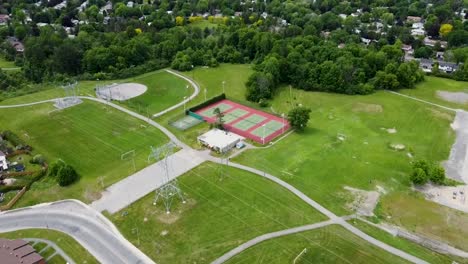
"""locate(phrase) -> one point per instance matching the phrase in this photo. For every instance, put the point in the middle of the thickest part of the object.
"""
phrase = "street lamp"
(263, 135)
(184, 103)
(206, 91)
(187, 89)
(224, 82)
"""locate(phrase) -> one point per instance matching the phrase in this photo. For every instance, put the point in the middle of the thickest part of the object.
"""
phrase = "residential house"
(16, 44)
(431, 42)
(4, 19)
(413, 19)
(3, 162)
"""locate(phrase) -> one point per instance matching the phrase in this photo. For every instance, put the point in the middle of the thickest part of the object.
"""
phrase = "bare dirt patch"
(367, 108)
(121, 92)
(456, 166)
(454, 97)
(364, 202)
(453, 197)
(440, 114)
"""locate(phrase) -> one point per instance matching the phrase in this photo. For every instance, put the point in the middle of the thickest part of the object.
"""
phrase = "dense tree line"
(307, 45)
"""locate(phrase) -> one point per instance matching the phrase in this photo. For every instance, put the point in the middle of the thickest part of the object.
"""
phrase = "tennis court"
(185, 122)
(248, 122)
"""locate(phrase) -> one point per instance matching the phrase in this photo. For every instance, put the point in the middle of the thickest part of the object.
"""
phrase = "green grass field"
(220, 213)
(330, 244)
(89, 136)
(164, 90)
(406, 245)
(428, 91)
(320, 164)
(7, 64)
(426, 218)
(72, 248)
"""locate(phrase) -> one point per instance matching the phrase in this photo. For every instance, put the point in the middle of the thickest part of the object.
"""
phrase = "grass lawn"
(7, 64)
(164, 90)
(320, 164)
(211, 80)
(90, 137)
(428, 91)
(406, 245)
(72, 248)
(204, 24)
(330, 244)
(220, 214)
(426, 218)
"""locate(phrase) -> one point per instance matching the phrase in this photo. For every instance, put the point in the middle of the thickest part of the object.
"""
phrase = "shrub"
(55, 167)
(38, 159)
(66, 175)
(418, 176)
(437, 174)
(422, 164)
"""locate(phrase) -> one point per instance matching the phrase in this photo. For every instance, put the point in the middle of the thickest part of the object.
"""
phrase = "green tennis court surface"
(249, 122)
(186, 122)
(210, 112)
(234, 114)
(270, 128)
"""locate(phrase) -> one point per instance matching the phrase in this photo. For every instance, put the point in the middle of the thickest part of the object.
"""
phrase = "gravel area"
(457, 164)
(121, 92)
(454, 97)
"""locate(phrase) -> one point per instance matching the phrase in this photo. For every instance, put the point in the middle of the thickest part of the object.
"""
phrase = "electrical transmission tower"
(170, 187)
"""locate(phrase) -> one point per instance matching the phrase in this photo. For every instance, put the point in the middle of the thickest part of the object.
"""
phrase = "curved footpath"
(100, 237)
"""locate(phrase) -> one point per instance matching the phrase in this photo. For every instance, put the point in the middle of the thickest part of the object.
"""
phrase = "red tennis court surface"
(245, 121)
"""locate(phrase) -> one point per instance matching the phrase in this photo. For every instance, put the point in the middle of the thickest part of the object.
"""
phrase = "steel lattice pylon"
(170, 187)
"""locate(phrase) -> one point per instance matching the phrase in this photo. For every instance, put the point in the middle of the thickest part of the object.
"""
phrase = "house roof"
(219, 138)
(18, 252)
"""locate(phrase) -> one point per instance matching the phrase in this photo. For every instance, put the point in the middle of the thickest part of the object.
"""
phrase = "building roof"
(18, 252)
(2, 154)
(219, 138)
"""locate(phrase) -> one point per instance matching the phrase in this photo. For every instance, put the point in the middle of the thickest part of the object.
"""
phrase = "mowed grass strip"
(70, 246)
(221, 212)
(330, 244)
(91, 137)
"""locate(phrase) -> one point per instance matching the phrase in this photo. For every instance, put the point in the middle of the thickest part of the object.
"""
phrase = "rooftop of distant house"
(18, 252)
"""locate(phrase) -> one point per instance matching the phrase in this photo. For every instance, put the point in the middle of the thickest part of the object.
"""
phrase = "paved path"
(422, 101)
(192, 83)
(92, 230)
(323, 210)
(129, 190)
(57, 249)
(268, 236)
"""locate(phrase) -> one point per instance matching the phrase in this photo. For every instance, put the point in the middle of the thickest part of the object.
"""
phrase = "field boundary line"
(422, 101)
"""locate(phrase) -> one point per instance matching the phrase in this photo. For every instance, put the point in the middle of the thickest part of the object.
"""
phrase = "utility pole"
(224, 83)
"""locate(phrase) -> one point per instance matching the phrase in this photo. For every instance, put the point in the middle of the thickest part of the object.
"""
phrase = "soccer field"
(90, 136)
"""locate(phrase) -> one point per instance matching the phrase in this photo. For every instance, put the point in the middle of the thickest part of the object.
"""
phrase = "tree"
(437, 174)
(422, 164)
(457, 38)
(423, 52)
(445, 29)
(418, 176)
(56, 167)
(299, 117)
(259, 86)
(67, 175)
(179, 21)
(219, 118)
(386, 81)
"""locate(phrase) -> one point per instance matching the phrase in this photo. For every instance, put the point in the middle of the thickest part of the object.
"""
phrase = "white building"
(219, 140)
(3, 162)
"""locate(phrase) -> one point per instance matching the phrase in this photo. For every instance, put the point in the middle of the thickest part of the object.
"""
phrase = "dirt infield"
(245, 121)
(121, 92)
(457, 164)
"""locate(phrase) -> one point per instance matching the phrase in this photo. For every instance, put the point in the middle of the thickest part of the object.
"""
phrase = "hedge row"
(13, 138)
(206, 103)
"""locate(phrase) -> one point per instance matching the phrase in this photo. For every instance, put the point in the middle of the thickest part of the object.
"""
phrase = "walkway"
(129, 190)
(422, 101)
(57, 249)
(91, 229)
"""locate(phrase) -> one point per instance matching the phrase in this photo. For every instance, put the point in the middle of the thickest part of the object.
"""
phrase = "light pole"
(187, 89)
(224, 83)
(184, 103)
(282, 115)
(206, 91)
(263, 135)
